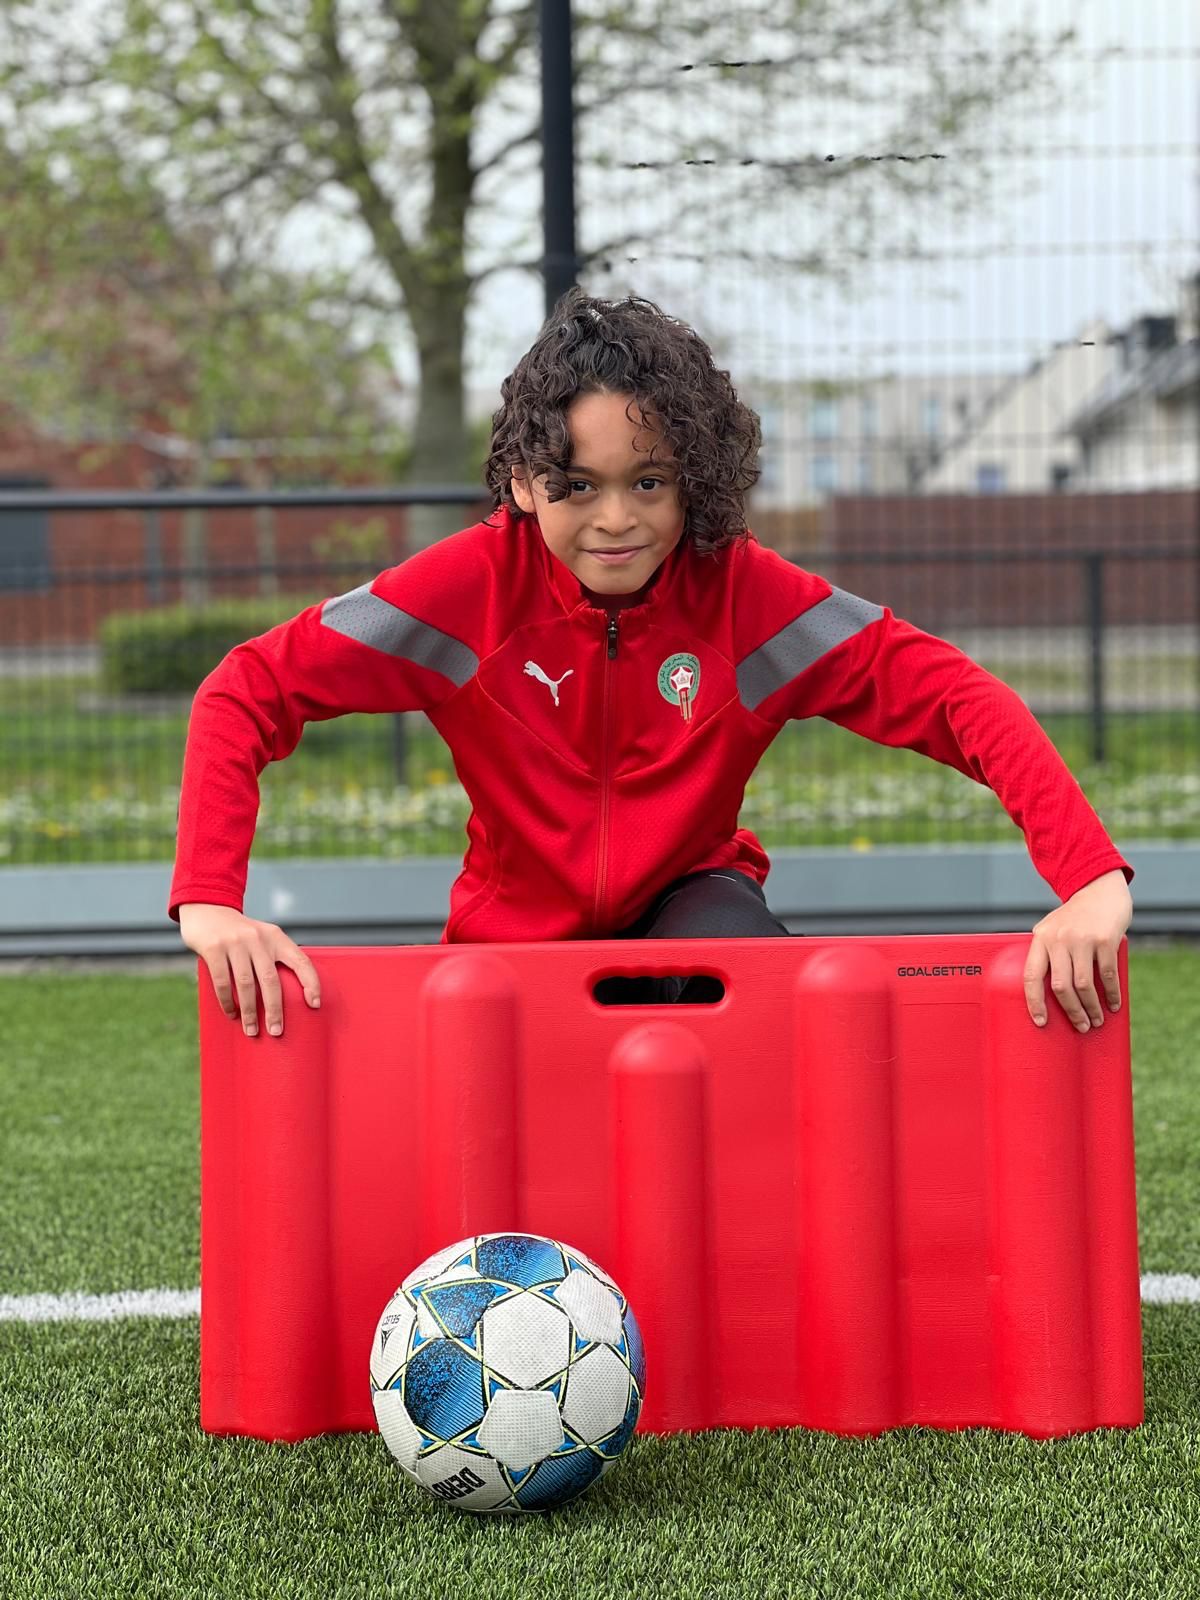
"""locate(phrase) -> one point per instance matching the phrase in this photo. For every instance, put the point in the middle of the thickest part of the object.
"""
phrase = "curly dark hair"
(629, 347)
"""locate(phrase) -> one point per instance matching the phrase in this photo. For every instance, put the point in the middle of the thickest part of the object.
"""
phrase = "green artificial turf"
(108, 1487)
(113, 1491)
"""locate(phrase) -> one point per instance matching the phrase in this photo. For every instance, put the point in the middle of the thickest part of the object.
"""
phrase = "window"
(822, 418)
(989, 478)
(931, 415)
(1060, 476)
(870, 417)
(823, 474)
(866, 476)
(24, 541)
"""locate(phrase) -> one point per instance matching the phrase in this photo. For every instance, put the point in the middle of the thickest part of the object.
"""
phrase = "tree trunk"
(441, 446)
(195, 585)
(266, 551)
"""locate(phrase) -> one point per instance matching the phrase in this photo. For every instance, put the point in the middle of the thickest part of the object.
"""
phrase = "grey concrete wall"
(87, 910)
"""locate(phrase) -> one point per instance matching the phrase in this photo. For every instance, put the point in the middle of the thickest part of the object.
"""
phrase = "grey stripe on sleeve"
(364, 616)
(833, 620)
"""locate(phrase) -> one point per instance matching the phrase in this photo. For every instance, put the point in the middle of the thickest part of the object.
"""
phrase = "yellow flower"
(436, 775)
(861, 843)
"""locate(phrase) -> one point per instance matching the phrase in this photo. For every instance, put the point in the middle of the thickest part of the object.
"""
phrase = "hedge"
(170, 649)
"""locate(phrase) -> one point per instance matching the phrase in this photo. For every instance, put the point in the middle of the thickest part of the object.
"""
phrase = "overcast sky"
(1105, 235)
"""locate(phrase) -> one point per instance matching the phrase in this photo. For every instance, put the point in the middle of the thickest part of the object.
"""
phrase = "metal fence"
(965, 309)
(92, 733)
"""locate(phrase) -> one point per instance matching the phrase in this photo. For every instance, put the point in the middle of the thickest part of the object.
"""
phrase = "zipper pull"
(612, 637)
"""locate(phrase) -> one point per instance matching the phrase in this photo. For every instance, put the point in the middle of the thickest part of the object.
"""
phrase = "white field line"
(1158, 1288)
(1170, 1289)
(99, 1307)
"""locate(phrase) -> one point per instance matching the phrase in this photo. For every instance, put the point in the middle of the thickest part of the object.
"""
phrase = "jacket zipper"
(602, 845)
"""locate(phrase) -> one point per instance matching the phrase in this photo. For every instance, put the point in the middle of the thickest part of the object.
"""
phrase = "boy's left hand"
(1085, 930)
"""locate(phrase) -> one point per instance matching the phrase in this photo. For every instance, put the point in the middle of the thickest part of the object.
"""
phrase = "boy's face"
(619, 500)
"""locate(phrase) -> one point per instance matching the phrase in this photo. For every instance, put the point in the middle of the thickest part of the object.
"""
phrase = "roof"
(1166, 374)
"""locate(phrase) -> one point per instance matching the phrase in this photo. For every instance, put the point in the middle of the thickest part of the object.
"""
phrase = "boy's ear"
(521, 492)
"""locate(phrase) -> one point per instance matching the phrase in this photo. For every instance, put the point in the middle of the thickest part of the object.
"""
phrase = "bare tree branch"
(525, 31)
(336, 90)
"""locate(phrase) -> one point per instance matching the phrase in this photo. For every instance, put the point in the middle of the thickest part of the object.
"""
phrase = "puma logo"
(532, 670)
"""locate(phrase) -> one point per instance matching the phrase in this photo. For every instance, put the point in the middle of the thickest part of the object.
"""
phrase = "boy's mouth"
(622, 554)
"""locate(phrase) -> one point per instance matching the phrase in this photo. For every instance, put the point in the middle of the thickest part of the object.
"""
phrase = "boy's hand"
(230, 943)
(1085, 929)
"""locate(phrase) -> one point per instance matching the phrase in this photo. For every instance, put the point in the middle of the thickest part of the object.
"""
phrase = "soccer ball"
(507, 1373)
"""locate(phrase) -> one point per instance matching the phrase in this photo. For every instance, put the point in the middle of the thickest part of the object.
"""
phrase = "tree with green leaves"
(159, 121)
(118, 321)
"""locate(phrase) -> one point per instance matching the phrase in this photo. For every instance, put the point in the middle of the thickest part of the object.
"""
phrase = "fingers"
(1110, 978)
(1071, 980)
(243, 969)
(292, 956)
(218, 971)
(1035, 980)
(1072, 960)
(278, 948)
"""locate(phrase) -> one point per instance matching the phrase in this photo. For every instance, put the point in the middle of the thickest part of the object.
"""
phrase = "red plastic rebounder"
(861, 1191)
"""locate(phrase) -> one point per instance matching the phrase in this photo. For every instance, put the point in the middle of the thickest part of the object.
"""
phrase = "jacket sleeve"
(825, 653)
(372, 649)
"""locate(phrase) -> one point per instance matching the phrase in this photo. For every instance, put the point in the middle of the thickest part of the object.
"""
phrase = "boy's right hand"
(237, 950)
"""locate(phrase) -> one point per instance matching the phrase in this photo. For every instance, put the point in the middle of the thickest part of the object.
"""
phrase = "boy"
(607, 657)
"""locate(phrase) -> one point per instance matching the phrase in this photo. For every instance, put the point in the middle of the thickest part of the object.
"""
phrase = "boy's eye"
(582, 483)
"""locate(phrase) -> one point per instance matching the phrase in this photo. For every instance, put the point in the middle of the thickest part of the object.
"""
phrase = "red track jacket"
(605, 756)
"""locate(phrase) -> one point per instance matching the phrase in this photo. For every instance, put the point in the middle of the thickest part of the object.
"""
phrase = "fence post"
(155, 587)
(1093, 563)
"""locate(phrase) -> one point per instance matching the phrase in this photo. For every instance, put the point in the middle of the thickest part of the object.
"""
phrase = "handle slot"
(659, 988)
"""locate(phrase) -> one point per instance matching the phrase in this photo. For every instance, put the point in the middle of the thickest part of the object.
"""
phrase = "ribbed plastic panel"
(862, 1191)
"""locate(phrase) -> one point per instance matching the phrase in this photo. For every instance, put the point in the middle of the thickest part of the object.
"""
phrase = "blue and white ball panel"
(596, 1271)
(459, 1271)
(526, 1340)
(613, 1447)
(524, 1258)
(521, 1427)
(428, 1326)
(457, 1307)
(637, 1351)
(463, 1479)
(597, 1396)
(443, 1389)
(559, 1479)
(396, 1426)
(438, 1262)
(389, 1350)
(592, 1307)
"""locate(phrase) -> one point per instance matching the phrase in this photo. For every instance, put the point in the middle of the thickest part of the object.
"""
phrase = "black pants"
(722, 904)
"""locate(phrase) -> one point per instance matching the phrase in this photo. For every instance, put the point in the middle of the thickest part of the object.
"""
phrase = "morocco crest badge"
(679, 682)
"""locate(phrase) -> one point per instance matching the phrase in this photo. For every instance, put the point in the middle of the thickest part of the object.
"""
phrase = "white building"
(1019, 443)
(1102, 410)
(1141, 429)
(865, 436)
